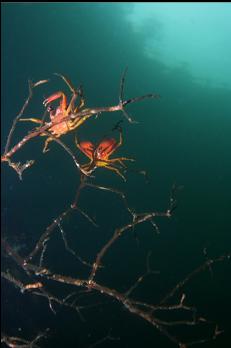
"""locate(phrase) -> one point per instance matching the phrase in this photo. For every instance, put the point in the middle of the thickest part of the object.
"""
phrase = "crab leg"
(78, 121)
(35, 120)
(120, 159)
(118, 144)
(82, 100)
(73, 90)
(116, 170)
(47, 141)
(68, 82)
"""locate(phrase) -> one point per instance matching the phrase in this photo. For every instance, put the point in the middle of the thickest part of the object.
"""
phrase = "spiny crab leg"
(72, 89)
(116, 170)
(120, 159)
(68, 82)
(31, 119)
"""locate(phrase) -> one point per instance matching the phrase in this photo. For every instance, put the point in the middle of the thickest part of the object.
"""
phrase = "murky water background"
(180, 51)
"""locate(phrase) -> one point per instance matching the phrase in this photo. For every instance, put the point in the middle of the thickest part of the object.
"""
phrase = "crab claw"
(55, 96)
(48, 100)
(45, 102)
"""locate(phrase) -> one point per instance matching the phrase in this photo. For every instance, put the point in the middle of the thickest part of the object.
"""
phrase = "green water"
(179, 51)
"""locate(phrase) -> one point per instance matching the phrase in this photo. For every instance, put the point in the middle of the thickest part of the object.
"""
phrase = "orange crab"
(99, 155)
(62, 111)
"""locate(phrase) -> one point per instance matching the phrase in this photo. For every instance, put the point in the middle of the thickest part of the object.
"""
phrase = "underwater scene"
(115, 175)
